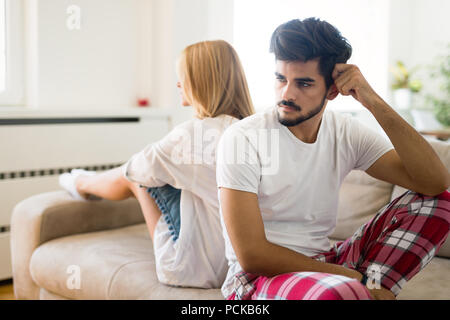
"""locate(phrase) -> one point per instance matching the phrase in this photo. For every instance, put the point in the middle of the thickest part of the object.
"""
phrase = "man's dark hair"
(304, 40)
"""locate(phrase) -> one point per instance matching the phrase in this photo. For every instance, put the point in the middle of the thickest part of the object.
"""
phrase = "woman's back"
(185, 159)
(179, 198)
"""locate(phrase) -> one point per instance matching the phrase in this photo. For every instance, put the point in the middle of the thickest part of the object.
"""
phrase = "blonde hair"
(214, 81)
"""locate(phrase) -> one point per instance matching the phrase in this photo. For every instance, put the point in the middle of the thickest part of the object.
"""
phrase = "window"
(11, 52)
(363, 22)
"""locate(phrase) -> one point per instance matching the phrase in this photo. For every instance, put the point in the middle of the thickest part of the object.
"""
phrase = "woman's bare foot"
(78, 185)
(75, 182)
(80, 180)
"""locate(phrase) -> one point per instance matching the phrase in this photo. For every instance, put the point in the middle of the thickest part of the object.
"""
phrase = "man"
(276, 224)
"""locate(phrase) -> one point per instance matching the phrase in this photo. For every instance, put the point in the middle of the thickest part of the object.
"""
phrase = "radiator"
(35, 150)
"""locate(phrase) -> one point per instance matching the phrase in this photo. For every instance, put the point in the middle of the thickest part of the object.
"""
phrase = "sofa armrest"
(52, 215)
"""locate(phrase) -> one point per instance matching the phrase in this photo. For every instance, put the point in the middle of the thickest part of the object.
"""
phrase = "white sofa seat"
(116, 264)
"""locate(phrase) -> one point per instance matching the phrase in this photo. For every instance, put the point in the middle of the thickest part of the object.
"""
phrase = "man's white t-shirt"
(297, 183)
(186, 159)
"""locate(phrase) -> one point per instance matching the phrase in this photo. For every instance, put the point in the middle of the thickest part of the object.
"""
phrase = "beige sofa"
(66, 249)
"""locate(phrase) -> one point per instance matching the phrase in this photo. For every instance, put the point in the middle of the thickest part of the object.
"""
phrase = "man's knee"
(423, 205)
(317, 286)
(438, 207)
(434, 216)
(343, 288)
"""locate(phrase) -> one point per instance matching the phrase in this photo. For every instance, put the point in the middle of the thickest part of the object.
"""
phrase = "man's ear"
(332, 92)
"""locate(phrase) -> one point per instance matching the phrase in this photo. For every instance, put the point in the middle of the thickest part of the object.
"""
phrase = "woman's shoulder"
(200, 127)
(260, 120)
(188, 124)
(207, 121)
(264, 119)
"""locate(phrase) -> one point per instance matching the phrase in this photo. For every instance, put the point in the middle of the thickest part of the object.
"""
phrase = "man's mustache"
(289, 104)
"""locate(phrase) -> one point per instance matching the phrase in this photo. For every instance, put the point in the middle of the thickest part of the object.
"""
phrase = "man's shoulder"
(346, 126)
(338, 117)
(338, 122)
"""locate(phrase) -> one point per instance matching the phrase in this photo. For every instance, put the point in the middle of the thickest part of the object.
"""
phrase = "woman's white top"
(186, 159)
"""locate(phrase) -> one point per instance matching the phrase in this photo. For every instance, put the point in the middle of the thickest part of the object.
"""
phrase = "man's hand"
(382, 294)
(376, 294)
(349, 80)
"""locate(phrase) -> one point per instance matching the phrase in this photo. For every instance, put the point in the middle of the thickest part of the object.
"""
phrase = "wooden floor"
(6, 290)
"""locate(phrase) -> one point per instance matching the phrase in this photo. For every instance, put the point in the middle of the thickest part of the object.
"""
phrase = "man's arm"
(255, 254)
(414, 164)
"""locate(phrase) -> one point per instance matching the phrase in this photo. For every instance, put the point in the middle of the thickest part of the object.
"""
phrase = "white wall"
(177, 24)
(420, 31)
(125, 49)
(95, 67)
(128, 48)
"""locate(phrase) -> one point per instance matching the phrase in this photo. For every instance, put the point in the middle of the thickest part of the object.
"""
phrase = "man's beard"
(300, 119)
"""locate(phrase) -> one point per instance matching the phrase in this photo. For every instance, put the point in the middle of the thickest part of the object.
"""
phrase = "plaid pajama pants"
(398, 242)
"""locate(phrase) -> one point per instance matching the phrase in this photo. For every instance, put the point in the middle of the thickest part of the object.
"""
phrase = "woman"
(174, 179)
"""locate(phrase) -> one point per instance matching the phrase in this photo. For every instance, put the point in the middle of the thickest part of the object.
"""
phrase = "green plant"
(402, 78)
(441, 102)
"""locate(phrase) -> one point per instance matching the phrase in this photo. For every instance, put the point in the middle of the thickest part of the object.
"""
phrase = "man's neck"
(307, 131)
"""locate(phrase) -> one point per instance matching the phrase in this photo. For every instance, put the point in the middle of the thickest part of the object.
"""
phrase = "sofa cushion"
(443, 151)
(360, 197)
(432, 283)
(47, 295)
(114, 264)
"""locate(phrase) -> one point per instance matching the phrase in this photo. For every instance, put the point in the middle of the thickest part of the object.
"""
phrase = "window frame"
(13, 95)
